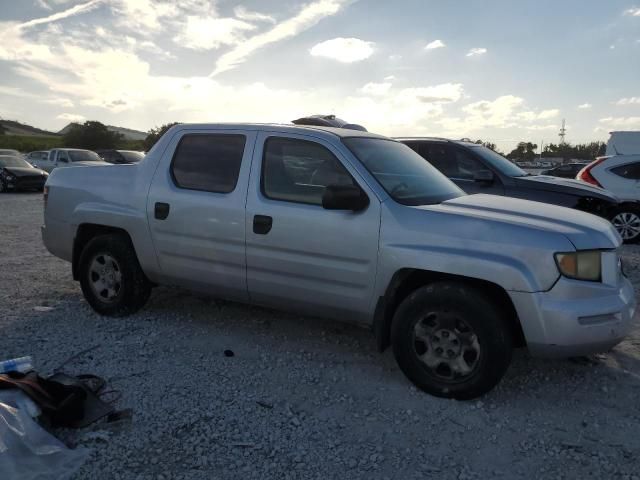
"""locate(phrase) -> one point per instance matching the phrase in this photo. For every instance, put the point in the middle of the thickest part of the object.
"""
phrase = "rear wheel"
(111, 278)
(3, 186)
(451, 341)
(626, 221)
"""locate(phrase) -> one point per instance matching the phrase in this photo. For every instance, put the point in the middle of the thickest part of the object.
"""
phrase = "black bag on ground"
(63, 405)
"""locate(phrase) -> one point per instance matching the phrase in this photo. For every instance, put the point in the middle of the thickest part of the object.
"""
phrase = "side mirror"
(344, 197)
(483, 176)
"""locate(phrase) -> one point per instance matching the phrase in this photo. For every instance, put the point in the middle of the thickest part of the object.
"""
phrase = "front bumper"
(575, 317)
(25, 183)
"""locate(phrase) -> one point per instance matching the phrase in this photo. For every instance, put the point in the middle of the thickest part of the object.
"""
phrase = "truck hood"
(564, 185)
(583, 230)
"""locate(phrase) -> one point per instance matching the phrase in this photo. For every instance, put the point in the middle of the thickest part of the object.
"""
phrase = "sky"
(497, 70)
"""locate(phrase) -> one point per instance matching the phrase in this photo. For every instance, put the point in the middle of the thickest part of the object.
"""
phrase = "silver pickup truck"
(350, 225)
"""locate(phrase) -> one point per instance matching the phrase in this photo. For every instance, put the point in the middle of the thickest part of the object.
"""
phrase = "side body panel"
(315, 261)
(117, 197)
(201, 243)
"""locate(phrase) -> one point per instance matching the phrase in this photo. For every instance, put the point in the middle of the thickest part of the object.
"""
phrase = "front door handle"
(262, 224)
(161, 210)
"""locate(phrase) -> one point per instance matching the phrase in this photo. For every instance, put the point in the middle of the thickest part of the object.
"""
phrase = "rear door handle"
(262, 224)
(161, 210)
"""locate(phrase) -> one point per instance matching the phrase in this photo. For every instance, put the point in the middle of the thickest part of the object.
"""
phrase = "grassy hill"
(11, 127)
(25, 138)
(127, 133)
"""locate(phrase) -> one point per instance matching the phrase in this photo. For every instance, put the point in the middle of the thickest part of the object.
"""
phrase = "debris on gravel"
(300, 397)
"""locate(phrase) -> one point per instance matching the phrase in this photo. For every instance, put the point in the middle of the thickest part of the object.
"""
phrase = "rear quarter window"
(208, 162)
(630, 171)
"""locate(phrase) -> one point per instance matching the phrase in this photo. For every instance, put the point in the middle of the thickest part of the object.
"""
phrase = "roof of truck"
(339, 132)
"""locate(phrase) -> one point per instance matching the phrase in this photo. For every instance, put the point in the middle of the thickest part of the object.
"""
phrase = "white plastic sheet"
(27, 451)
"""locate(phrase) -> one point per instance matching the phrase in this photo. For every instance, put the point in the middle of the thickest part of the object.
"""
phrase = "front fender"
(509, 272)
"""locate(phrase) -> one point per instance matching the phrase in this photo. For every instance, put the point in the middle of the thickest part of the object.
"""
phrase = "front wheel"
(451, 341)
(3, 186)
(111, 278)
(626, 221)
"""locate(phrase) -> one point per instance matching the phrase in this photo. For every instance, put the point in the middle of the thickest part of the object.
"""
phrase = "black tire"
(3, 187)
(133, 289)
(625, 216)
(468, 312)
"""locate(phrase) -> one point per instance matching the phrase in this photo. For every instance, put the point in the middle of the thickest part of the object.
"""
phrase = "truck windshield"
(404, 174)
(499, 162)
(83, 156)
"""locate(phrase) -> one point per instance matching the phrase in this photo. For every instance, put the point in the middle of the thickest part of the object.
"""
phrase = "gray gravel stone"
(302, 397)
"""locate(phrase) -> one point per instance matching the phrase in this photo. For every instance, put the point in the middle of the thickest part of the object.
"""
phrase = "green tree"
(155, 134)
(91, 135)
(2, 130)
(489, 145)
(525, 151)
(581, 151)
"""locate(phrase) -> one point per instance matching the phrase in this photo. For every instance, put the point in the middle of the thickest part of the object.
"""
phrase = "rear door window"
(208, 162)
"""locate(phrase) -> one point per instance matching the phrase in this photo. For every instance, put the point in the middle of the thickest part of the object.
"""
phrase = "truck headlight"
(582, 265)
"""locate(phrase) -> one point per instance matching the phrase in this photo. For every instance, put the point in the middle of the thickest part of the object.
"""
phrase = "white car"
(623, 143)
(620, 174)
(69, 157)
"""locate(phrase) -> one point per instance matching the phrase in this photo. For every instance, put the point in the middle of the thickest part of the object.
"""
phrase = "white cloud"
(443, 93)
(205, 33)
(345, 50)
(585, 106)
(243, 14)
(75, 10)
(506, 111)
(634, 12)
(629, 101)
(435, 44)
(476, 51)
(546, 114)
(308, 16)
(71, 117)
(613, 123)
(375, 89)
(42, 4)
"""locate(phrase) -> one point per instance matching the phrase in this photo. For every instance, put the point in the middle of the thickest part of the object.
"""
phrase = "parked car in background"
(120, 156)
(70, 157)
(37, 157)
(350, 225)
(568, 170)
(477, 169)
(18, 174)
(11, 153)
(619, 174)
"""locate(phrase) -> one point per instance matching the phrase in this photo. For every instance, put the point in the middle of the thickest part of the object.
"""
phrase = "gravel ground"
(301, 397)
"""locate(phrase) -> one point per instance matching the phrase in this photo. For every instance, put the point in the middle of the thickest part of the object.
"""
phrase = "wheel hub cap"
(627, 224)
(446, 345)
(105, 277)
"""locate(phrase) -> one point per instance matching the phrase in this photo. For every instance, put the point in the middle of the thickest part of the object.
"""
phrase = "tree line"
(527, 151)
(93, 135)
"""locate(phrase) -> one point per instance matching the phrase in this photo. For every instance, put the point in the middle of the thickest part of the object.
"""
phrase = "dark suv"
(568, 170)
(477, 169)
